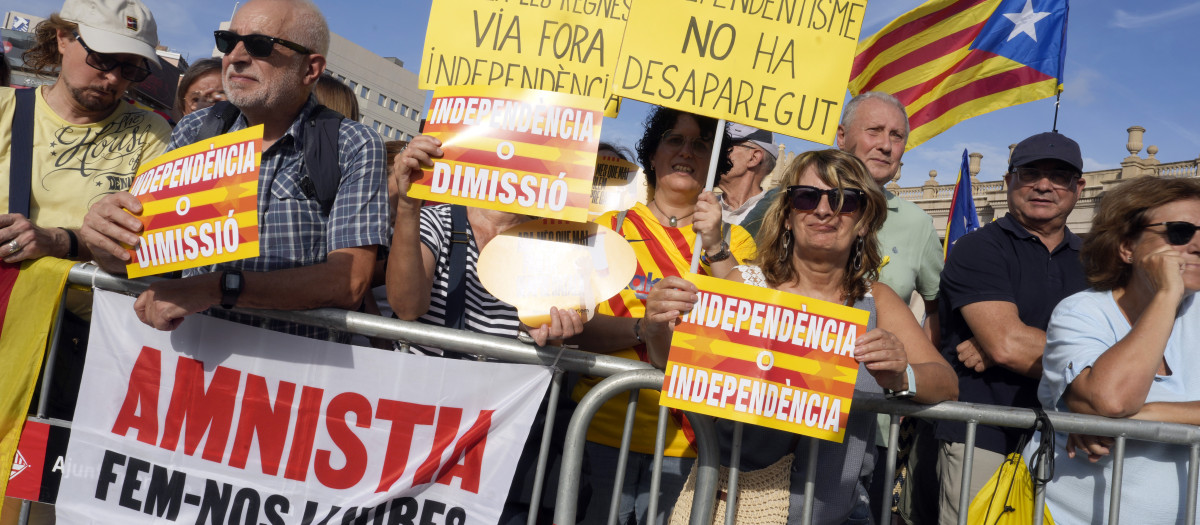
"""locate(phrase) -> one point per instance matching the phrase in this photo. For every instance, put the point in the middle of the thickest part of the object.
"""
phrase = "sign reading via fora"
(199, 204)
(548, 45)
(514, 150)
(765, 357)
(780, 66)
(550, 263)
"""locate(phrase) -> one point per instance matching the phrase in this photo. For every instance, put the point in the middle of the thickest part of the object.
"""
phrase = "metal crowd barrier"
(627, 375)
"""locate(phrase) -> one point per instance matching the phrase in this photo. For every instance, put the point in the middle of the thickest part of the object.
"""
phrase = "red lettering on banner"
(269, 422)
(404, 417)
(306, 432)
(201, 409)
(205, 413)
(470, 468)
(344, 438)
(446, 430)
(142, 392)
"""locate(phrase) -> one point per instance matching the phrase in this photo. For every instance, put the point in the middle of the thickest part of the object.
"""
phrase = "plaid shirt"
(293, 232)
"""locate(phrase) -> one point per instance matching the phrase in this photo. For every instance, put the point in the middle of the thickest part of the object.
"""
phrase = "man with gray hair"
(311, 254)
(752, 153)
(875, 129)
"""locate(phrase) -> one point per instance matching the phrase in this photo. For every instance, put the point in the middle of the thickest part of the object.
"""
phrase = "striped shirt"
(485, 313)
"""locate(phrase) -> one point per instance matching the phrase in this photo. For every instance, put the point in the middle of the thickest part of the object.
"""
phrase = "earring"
(858, 255)
(787, 246)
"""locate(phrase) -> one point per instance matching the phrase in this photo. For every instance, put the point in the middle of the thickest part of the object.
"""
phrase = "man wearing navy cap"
(753, 154)
(998, 288)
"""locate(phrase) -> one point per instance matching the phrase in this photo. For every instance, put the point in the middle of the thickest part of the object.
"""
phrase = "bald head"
(300, 21)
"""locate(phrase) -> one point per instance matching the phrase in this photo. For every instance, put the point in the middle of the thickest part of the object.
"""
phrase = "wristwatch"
(906, 393)
(719, 256)
(231, 287)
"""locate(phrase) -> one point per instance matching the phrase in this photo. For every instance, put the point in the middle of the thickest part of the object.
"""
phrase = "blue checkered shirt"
(292, 229)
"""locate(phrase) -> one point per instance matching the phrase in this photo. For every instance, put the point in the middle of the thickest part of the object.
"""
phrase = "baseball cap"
(1049, 145)
(115, 26)
(760, 137)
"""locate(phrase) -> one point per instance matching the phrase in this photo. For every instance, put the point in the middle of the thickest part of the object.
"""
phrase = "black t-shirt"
(1001, 262)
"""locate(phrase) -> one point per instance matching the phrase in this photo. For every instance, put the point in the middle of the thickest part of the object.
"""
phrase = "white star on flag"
(1024, 21)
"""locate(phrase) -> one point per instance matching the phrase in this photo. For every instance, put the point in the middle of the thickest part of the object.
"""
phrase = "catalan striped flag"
(963, 218)
(29, 298)
(950, 60)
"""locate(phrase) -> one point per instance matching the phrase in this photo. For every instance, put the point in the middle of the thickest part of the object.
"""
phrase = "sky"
(1123, 68)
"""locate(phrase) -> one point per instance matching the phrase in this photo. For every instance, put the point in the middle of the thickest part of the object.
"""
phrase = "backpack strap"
(323, 171)
(20, 177)
(220, 118)
(620, 221)
(456, 286)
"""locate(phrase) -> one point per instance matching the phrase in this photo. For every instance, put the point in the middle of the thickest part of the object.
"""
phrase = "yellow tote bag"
(1007, 498)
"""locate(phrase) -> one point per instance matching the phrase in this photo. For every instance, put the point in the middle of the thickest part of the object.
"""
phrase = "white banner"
(219, 423)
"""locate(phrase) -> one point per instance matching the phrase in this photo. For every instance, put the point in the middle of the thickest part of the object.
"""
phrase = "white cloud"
(1080, 85)
(1126, 20)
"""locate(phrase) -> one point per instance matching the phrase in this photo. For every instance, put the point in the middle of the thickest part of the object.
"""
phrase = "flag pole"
(1057, 99)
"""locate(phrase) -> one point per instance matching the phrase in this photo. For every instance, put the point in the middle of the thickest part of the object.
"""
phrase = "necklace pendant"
(673, 221)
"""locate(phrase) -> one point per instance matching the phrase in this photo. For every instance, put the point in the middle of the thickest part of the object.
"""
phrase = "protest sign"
(39, 464)
(218, 422)
(615, 186)
(780, 66)
(548, 45)
(550, 263)
(199, 204)
(765, 357)
(520, 151)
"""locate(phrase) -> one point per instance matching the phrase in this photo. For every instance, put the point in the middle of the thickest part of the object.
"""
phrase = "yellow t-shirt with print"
(75, 165)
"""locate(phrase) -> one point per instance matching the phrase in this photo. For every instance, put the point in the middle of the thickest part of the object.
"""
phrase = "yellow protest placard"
(515, 150)
(765, 357)
(199, 204)
(548, 45)
(780, 65)
(551, 263)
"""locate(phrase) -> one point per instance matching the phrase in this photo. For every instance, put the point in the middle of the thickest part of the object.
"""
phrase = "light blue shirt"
(1082, 328)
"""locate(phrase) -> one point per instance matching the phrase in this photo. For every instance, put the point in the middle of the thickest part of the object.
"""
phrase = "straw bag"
(762, 498)
(1007, 498)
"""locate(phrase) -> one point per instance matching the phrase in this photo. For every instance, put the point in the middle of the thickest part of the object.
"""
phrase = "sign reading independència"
(199, 204)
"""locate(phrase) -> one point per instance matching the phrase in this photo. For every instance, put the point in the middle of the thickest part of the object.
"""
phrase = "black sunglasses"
(1178, 233)
(1062, 179)
(105, 62)
(258, 46)
(807, 198)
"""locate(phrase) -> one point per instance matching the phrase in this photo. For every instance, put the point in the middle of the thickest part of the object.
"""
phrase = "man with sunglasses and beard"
(310, 257)
(86, 140)
(999, 286)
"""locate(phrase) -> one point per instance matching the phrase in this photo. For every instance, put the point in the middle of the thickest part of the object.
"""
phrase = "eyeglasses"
(258, 46)
(1178, 233)
(1061, 179)
(845, 200)
(105, 62)
(700, 147)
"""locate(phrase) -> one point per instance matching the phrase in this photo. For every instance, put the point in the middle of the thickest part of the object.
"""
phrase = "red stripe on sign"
(907, 31)
(980, 88)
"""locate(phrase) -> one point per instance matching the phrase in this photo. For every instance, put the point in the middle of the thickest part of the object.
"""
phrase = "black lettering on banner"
(710, 37)
(131, 484)
(165, 492)
(513, 32)
(215, 503)
(107, 475)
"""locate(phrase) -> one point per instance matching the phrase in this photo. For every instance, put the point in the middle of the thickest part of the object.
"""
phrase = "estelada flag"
(963, 218)
(950, 60)
(29, 298)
